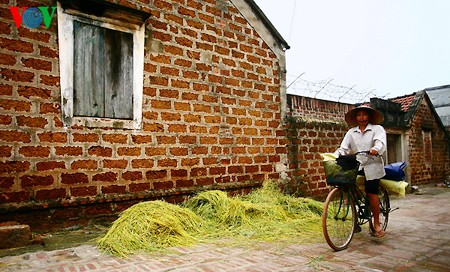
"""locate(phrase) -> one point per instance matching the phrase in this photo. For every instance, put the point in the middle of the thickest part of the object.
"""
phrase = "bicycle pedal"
(358, 229)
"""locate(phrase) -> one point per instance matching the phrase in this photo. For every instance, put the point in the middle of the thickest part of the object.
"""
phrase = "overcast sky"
(390, 47)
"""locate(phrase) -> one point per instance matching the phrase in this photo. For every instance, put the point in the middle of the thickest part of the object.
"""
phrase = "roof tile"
(405, 101)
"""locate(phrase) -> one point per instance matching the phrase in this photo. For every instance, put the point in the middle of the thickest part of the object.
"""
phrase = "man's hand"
(373, 152)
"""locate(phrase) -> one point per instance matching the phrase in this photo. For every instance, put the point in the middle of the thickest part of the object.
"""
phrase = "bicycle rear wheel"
(339, 218)
(385, 207)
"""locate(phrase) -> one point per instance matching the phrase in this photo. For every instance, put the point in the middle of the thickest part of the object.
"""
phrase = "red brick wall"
(427, 165)
(315, 126)
(212, 124)
(312, 108)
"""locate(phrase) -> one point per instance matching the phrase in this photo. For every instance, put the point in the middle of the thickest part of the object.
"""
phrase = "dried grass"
(263, 215)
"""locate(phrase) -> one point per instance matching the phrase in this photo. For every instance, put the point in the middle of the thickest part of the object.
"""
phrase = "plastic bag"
(328, 156)
(347, 162)
(394, 171)
(395, 188)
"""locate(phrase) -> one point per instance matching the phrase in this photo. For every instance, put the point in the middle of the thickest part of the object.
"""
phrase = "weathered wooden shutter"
(103, 72)
(118, 74)
(89, 86)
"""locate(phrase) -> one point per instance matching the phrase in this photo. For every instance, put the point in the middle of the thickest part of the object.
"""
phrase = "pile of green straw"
(150, 226)
(263, 215)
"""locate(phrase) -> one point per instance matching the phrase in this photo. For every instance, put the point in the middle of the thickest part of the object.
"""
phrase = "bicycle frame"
(362, 203)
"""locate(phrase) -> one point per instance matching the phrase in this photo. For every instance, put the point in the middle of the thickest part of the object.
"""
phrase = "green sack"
(335, 175)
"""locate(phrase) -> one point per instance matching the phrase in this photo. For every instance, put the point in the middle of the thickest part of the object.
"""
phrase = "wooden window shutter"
(103, 72)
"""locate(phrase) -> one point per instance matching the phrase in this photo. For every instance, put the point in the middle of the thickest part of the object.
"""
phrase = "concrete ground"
(417, 239)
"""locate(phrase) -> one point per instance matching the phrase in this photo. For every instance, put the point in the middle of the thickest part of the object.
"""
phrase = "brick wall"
(427, 165)
(312, 108)
(206, 123)
(314, 126)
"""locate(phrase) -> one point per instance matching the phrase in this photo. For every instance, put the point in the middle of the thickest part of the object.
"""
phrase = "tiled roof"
(405, 101)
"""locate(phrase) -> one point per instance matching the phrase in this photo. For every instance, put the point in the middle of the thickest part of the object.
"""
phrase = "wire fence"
(328, 90)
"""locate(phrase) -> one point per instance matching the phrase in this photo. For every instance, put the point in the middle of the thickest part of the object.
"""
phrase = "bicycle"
(346, 207)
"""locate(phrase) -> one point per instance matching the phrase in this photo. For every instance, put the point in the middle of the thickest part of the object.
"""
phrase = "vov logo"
(32, 17)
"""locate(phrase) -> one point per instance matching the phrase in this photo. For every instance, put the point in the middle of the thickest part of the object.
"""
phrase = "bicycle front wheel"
(339, 218)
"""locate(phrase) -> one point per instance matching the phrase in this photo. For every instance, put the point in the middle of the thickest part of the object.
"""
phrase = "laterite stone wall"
(428, 147)
(314, 126)
(211, 116)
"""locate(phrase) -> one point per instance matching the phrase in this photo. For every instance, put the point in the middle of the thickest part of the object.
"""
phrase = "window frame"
(66, 62)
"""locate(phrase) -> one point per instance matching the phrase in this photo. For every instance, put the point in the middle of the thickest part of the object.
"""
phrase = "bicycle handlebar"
(366, 152)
